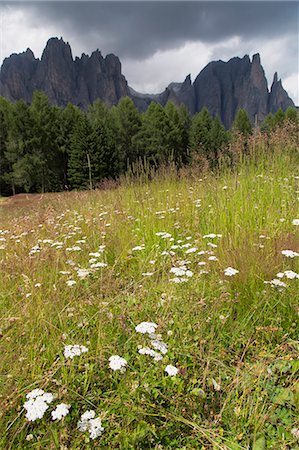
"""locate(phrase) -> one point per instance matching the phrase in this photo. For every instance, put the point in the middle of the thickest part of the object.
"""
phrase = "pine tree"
(18, 174)
(70, 116)
(5, 107)
(105, 157)
(79, 168)
(200, 133)
(44, 145)
(179, 122)
(128, 123)
(153, 140)
(242, 123)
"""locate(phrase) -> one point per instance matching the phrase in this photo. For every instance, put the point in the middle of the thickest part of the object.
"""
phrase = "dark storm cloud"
(138, 29)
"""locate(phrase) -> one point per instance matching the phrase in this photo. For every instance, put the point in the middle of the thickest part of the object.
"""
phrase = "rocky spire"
(278, 97)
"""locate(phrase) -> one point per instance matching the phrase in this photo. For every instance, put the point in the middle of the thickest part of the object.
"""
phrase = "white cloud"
(20, 30)
(155, 73)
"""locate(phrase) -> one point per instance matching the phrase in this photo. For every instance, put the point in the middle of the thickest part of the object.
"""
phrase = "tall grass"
(233, 339)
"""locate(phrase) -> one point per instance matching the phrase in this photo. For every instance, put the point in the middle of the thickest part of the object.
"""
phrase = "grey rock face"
(222, 87)
(64, 80)
(278, 98)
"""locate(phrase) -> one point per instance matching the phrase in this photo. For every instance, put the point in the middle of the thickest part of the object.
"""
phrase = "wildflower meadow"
(161, 313)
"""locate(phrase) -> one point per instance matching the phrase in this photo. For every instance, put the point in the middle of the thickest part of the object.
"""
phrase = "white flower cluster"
(276, 283)
(181, 274)
(94, 263)
(146, 327)
(70, 351)
(35, 249)
(230, 271)
(289, 253)
(172, 371)
(61, 411)
(148, 351)
(37, 404)
(290, 274)
(160, 348)
(89, 423)
(117, 363)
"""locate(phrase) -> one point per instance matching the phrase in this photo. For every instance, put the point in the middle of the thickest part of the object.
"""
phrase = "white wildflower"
(295, 222)
(71, 283)
(83, 273)
(61, 411)
(85, 418)
(95, 427)
(117, 363)
(90, 424)
(290, 274)
(70, 351)
(98, 265)
(37, 404)
(146, 327)
(230, 271)
(172, 371)
(159, 345)
(191, 250)
(289, 253)
(148, 351)
(75, 248)
(138, 247)
(276, 283)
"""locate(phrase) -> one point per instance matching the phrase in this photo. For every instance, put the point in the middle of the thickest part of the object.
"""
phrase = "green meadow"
(86, 268)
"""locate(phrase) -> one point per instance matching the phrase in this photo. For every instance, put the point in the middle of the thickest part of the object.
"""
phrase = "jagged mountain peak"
(223, 87)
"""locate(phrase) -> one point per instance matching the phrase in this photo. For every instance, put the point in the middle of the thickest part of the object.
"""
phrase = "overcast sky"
(160, 42)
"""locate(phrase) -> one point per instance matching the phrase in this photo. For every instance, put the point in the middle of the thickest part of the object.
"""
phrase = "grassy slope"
(236, 331)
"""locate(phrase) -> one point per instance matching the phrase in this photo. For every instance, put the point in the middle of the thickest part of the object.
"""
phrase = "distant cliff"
(223, 87)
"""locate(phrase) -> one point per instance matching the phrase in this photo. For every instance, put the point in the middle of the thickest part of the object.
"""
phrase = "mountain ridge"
(223, 87)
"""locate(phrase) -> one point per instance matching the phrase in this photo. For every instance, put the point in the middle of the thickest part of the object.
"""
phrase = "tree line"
(44, 148)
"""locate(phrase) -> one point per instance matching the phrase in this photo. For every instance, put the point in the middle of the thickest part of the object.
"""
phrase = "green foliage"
(279, 119)
(79, 175)
(242, 123)
(154, 139)
(128, 123)
(46, 148)
(208, 138)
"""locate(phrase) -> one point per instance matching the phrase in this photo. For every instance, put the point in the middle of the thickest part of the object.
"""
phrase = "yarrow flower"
(37, 404)
(172, 371)
(148, 351)
(289, 253)
(146, 327)
(83, 273)
(70, 351)
(90, 424)
(295, 222)
(117, 363)
(230, 271)
(276, 283)
(181, 274)
(290, 274)
(159, 345)
(87, 423)
(61, 411)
